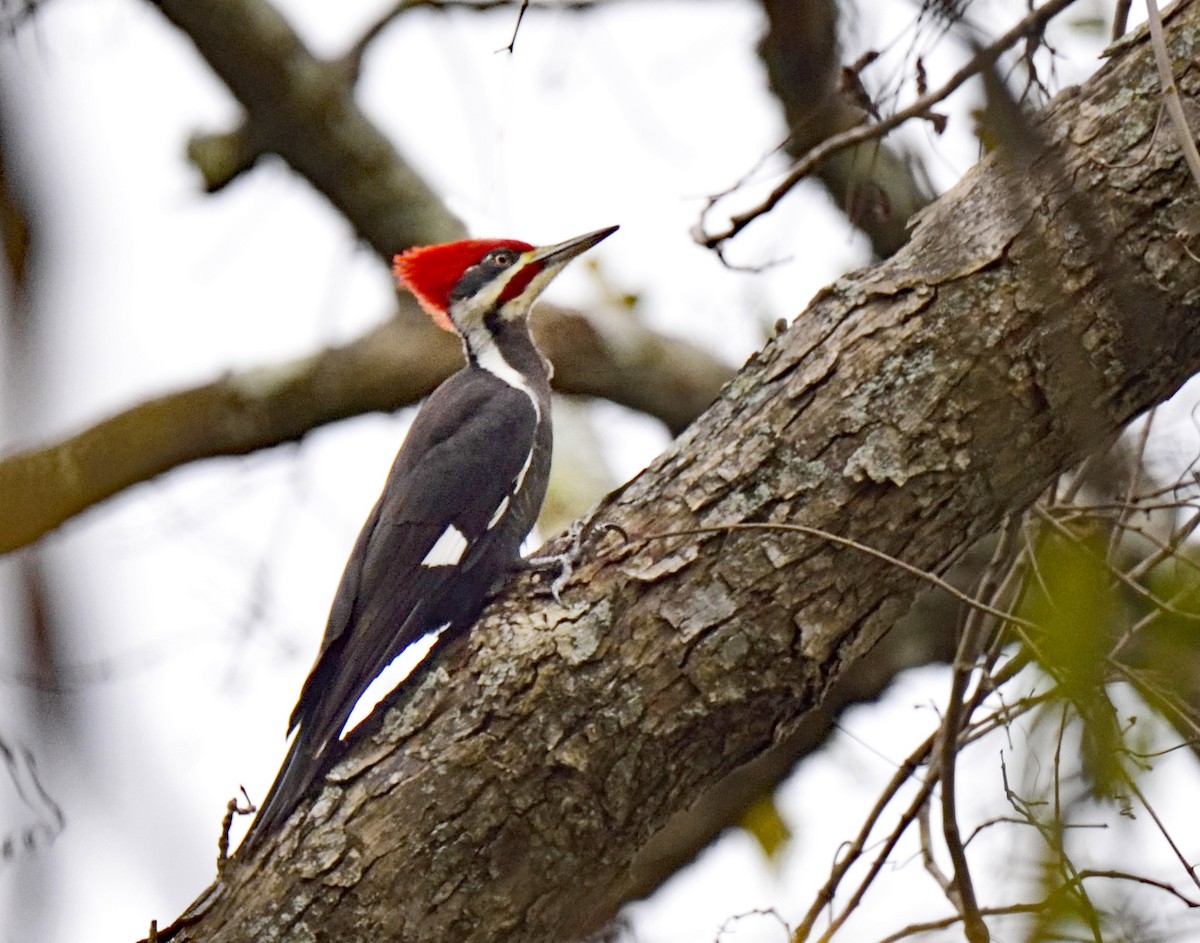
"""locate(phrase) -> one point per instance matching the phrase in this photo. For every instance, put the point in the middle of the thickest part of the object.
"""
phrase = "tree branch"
(984, 58)
(302, 108)
(877, 188)
(505, 791)
(388, 368)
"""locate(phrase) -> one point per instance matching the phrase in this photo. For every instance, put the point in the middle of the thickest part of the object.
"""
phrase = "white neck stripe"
(491, 359)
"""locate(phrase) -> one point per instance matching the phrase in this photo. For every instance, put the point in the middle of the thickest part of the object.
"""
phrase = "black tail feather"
(301, 768)
(308, 761)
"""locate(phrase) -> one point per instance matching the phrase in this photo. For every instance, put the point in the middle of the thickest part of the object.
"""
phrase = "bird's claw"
(564, 563)
(559, 562)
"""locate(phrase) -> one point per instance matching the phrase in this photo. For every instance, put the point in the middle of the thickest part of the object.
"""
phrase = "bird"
(464, 491)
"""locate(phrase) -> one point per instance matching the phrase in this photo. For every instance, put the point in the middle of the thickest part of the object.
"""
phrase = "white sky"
(199, 598)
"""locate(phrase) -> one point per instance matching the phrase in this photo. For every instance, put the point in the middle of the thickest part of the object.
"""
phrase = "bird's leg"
(563, 564)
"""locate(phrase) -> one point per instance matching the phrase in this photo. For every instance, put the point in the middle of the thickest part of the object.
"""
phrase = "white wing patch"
(523, 472)
(448, 549)
(389, 679)
(503, 506)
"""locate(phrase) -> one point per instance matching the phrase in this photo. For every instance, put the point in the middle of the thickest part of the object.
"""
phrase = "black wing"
(468, 446)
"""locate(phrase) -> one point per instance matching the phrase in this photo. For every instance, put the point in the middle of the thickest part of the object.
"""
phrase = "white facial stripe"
(448, 549)
(485, 298)
(466, 312)
(503, 506)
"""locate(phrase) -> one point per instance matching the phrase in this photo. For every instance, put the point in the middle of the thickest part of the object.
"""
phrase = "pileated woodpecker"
(464, 491)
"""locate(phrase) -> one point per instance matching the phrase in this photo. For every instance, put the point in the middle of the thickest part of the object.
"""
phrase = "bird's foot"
(563, 564)
(557, 568)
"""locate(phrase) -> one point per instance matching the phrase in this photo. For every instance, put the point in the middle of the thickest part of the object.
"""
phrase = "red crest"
(431, 272)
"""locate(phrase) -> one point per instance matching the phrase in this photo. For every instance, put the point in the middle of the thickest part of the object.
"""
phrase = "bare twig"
(1139, 879)
(921, 756)
(1166, 702)
(852, 852)
(517, 27)
(1188, 868)
(1167, 551)
(1140, 590)
(917, 808)
(1187, 140)
(232, 808)
(1031, 23)
(1051, 833)
(1136, 462)
(931, 578)
(915, 929)
(907, 817)
(353, 57)
(956, 716)
(928, 858)
(1120, 18)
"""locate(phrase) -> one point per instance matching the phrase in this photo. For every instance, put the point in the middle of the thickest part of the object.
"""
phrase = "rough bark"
(924, 636)
(506, 793)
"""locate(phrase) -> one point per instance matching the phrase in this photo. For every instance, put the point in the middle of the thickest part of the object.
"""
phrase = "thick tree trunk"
(507, 793)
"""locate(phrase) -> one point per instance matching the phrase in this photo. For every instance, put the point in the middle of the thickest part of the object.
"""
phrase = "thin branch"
(1051, 834)
(986, 56)
(855, 849)
(913, 929)
(1138, 589)
(352, 59)
(1188, 867)
(931, 578)
(1136, 461)
(1120, 18)
(918, 807)
(1168, 550)
(516, 27)
(928, 858)
(964, 664)
(1139, 879)
(1162, 58)
(921, 755)
(907, 817)
(1166, 702)
(388, 368)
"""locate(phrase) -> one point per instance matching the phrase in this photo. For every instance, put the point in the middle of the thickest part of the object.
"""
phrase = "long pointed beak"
(564, 252)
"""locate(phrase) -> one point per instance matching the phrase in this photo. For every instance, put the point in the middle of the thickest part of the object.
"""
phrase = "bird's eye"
(502, 259)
